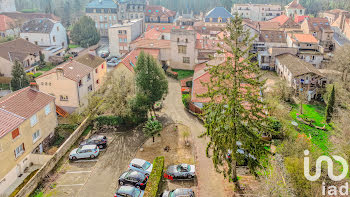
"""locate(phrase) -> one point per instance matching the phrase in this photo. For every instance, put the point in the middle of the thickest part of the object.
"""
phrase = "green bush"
(109, 120)
(155, 178)
(172, 74)
(189, 84)
(186, 99)
(37, 74)
(25, 181)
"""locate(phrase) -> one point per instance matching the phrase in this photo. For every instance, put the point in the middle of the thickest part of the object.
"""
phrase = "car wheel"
(92, 156)
(189, 176)
(100, 146)
(74, 158)
(121, 183)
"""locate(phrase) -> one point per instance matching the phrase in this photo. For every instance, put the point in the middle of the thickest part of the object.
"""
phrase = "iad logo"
(330, 167)
(330, 190)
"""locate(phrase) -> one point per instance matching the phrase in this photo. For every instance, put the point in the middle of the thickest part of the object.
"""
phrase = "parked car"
(86, 151)
(134, 178)
(141, 165)
(181, 192)
(113, 62)
(182, 171)
(104, 54)
(99, 140)
(128, 191)
(110, 57)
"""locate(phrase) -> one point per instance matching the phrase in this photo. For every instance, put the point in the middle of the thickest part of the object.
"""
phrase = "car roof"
(85, 147)
(96, 137)
(126, 189)
(136, 174)
(182, 191)
(139, 162)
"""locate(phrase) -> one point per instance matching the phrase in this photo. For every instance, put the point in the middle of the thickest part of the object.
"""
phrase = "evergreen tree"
(150, 79)
(84, 32)
(330, 105)
(19, 78)
(66, 17)
(235, 117)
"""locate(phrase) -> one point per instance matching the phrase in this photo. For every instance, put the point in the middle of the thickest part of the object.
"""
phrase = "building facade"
(217, 16)
(44, 32)
(7, 6)
(122, 34)
(257, 12)
(27, 122)
(159, 14)
(294, 8)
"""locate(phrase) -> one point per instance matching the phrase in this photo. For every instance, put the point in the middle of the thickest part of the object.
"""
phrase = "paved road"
(210, 183)
(98, 177)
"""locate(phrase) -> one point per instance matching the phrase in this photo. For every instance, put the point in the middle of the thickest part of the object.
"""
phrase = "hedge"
(155, 178)
(172, 74)
(25, 181)
(109, 120)
(186, 99)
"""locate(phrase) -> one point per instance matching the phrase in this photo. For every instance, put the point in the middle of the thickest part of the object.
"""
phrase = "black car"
(128, 191)
(99, 140)
(183, 192)
(134, 178)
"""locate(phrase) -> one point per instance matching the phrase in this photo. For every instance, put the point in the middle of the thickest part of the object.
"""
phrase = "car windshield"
(78, 150)
(137, 192)
(146, 165)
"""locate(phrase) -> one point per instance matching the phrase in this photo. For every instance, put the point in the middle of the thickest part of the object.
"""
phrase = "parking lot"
(97, 177)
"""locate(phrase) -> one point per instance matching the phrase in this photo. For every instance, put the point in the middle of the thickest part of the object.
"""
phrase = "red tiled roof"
(18, 49)
(9, 122)
(155, 44)
(268, 25)
(318, 24)
(157, 10)
(299, 19)
(6, 23)
(280, 19)
(131, 58)
(309, 38)
(208, 44)
(162, 28)
(72, 70)
(295, 5)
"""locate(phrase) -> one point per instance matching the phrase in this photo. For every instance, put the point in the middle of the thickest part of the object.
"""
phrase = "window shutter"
(23, 147)
(15, 153)
(15, 133)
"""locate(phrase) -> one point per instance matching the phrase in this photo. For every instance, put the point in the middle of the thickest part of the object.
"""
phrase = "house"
(300, 18)
(106, 13)
(27, 124)
(21, 50)
(286, 23)
(8, 26)
(267, 58)
(321, 29)
(301, 75)
(332, 15)
(218, 15)
(339, 39)
(72, 82)
(44, 32)
(122, 34)
(257, 12)
(294, 8)
(270, 38)
(342, 25)
(7, 6)
(125, 68)
(184, 19)
(159, 14)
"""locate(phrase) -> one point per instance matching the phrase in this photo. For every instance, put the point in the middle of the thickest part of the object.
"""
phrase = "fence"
(194, 108)
(49, 165)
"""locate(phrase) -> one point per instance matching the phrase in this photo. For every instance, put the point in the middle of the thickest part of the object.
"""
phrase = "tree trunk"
(234, 171)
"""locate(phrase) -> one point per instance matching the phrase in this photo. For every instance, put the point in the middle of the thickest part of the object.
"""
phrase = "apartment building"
(294, 8)
(257, 12)
(27, 123)
(122, 34)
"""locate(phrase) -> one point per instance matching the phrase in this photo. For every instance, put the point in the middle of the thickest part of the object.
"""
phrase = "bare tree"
(341, 62)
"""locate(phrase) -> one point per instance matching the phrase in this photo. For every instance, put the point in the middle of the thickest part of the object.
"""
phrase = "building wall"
(37, 38)
(103, 21)
(84, 91)
(59, 32)
(257, 12)
(290, 12)
(7, 6)
(121, 70)
(13, 166)
(314, 59)
(100, 75)
(5, 67)
(178, 38)
(283, 72)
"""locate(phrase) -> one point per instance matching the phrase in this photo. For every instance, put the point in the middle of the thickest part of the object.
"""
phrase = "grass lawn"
(183, 74)
(46, 68)
(4, 86)
(319, 137)
(73, 46)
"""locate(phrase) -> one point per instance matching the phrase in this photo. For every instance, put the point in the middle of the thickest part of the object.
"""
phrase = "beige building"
(27, 123)
(294, 8)
(72, 82)
(26, 53)
(122, 34)
(257, 12)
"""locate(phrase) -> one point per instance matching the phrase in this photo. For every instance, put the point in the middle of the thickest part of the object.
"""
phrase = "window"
(120, 31)
(97, 81)
(96, 25)
(114, 17)
(36, 136)
(110, 18)
(36, 42)
(15, 133)
(102, 66)
(58, 28)
(182, 49)
(101, 26)
(186, 60)
(96, 70)
(125, 40)
(106, 26)
(54, 39)
(89, 77)
(63, 98)
(120, 40)
(186, 40)
(47, 109)
(101, 18)
(33, 120)
(90, 88)
(178, 39)
(80, 83)
(19, 150)
(163, 37)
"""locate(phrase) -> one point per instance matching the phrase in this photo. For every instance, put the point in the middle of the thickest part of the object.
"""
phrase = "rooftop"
(318, 24)
(90, 60)
(297, 66)
(218, 12)
(102, 4)
(280, 19)
(272, 36)
(306, 38)
(157, 10)
(295, 5)
(130, 59)
(38, 25)
(18, 49)
(6, 23)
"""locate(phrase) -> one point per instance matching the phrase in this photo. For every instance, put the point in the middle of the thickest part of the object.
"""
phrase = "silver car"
(141, 165)
(86, 151)
(182, 171)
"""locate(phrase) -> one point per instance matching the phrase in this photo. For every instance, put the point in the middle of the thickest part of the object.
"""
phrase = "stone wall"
(50, 164)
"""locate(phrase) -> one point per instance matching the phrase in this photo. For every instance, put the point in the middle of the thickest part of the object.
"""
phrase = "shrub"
(172, 74)
(37, 74)
(25, 181)
(189, 84)
(155, 178)
(186, 99)
(109, 120)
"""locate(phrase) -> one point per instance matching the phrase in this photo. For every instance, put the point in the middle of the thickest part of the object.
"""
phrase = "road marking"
(69, 185)
(76, 172)
(79, 161)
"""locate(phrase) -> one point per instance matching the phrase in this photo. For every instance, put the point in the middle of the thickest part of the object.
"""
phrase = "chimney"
(59, 72)
(92, 52)
(34, 86)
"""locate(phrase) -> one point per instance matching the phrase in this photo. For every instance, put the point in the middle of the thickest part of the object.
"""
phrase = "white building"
(257, 12)
(294, 8)
(122, 34)
(7, 6)
(44, 32)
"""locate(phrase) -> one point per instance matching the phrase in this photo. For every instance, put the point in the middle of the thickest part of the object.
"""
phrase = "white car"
(86, 151)
(141, 165)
